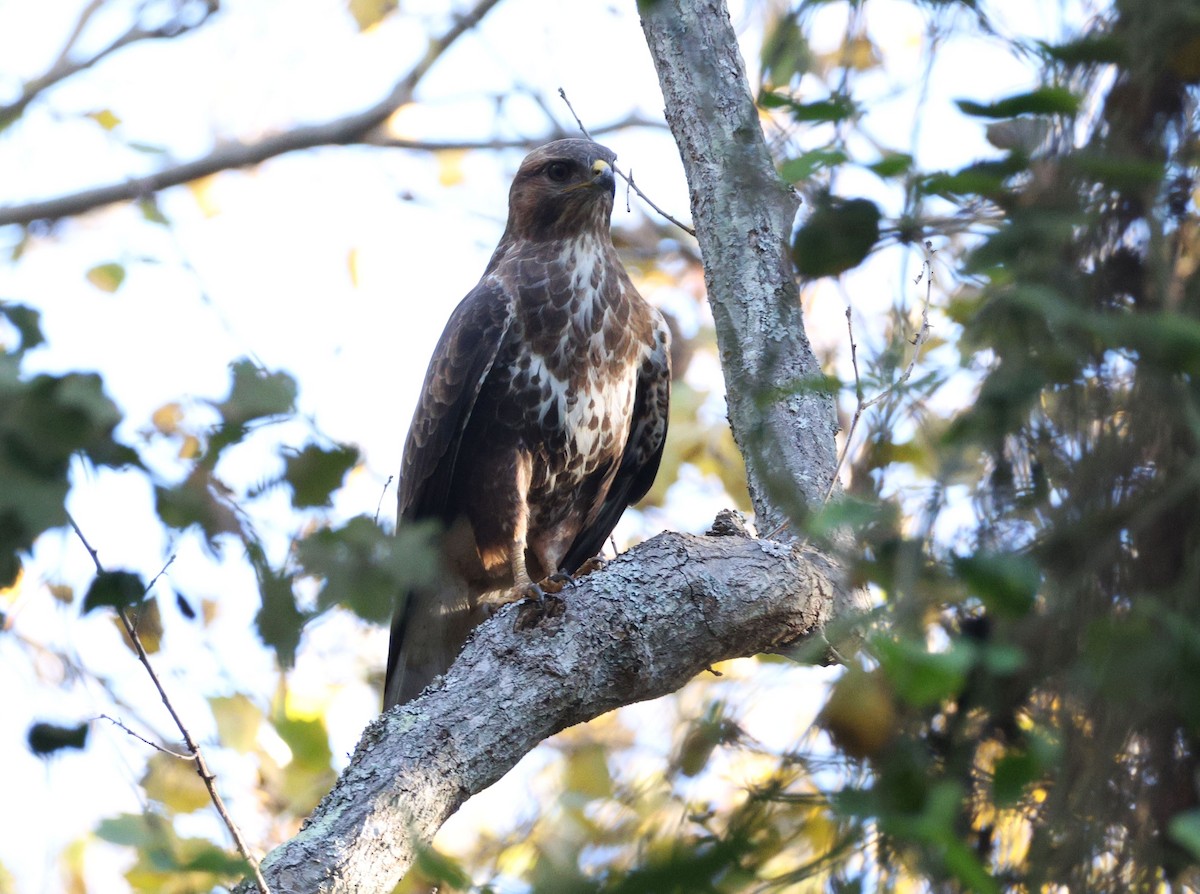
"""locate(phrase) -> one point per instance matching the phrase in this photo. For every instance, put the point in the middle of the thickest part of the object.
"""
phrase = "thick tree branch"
(356, 128)
(713, 598)
(783, 419)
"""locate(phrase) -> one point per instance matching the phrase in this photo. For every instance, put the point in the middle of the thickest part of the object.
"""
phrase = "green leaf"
(1043, 101)
(151, 211)
(842, 512)
(799, 169)
(107, 277)
(47, 738)
(892, 164)
(834, 109)
(439, 869)
(838, 235)
(1012, 773)
(128, 829)
(1005, 582)
(279, 621)
(26, 321)
(256, 394)
(309, 774)
(315, 474)
(985, 178)
(1184, 830)
(366, 569)
(200, 499)
(1091, 49)
(785, 51)
(116, 589)
(922, 677)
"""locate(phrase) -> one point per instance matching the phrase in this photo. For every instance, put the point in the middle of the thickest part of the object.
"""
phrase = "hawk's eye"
(558, 171)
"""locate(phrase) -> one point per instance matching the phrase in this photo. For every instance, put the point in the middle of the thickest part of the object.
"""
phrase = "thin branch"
(361, 127)
(197, 756)
(628, 179)
(381, 139)
(167, 751)
(918, 341)
(64, 67)
(382, 494)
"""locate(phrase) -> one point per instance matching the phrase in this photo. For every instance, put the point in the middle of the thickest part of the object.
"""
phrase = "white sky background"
(267, 275)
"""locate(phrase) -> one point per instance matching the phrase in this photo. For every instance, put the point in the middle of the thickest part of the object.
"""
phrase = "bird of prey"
(542, 416)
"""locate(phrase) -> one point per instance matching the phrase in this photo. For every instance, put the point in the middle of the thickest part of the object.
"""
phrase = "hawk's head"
(562, 190)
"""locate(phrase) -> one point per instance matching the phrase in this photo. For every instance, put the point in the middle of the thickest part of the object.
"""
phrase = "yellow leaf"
(238, 722)
(450, 172)
(167, 418)
(369, 13)
(107, 277)
(586, 772)
(62, 593)
(70, 867)
(860, 714)
(174, 783)
(353, 264)
(10, 594)
(203, 191)
(106, 118)
(190, 447)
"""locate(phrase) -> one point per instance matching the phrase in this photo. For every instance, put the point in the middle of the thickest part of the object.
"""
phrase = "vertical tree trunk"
(783, 419)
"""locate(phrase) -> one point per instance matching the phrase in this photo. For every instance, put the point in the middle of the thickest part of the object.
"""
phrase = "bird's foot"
(539, 604)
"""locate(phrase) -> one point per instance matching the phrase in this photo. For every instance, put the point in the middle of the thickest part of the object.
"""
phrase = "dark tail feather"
(428, 631)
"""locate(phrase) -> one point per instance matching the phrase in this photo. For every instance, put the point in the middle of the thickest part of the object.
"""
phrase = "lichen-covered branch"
(782, 417)
(639, 629)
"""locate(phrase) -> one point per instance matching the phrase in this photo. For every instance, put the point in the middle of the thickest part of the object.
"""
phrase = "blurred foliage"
(45, 420)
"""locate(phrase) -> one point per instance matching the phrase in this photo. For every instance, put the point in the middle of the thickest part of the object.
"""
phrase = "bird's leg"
(542, 599)
(523, 585)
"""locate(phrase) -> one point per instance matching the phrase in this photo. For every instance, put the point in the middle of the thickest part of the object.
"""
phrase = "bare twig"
(918, 341)
(381, 139)
(167, 751)
(197, 756)
(862, 406)
(63, 67)
(382, 494)
(360, 127)
(628, 179)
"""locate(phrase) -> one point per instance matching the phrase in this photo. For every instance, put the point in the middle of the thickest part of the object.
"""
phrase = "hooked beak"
(603, 176)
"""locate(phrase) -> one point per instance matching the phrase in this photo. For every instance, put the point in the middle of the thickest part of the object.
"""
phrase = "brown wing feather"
(461, 361)
(429, 628)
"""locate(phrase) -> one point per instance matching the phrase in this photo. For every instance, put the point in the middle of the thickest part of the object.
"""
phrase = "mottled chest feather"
(569, 369)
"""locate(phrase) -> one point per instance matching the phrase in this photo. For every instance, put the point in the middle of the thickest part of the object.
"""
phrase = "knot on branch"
(729, 523)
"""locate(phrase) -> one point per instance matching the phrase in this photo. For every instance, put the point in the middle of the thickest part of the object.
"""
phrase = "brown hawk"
(543, 413)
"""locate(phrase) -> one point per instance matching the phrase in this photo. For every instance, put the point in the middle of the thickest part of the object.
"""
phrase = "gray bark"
(639, 629)
(743, 214)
